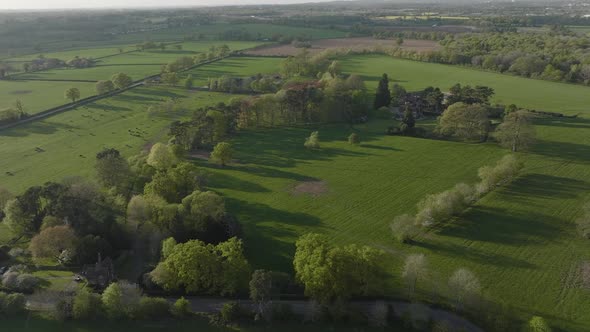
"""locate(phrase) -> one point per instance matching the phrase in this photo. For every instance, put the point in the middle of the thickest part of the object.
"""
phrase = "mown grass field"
(235, 66)
(38, 96)
(87, 52)
(71, 140)
(519, 240)
(96, 73)
(413, 75)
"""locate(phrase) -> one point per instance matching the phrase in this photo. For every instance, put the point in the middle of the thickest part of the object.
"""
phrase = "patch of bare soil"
(21, 92)
(313, 188)
(360, 43)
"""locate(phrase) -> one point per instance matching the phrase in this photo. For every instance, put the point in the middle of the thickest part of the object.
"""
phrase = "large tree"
(383, 95)
(58, 243)
(161, 157)
(222, 153)
(204, 268)
(468, 122)
(516, 131)
(121, 80)
(103, 87)
(331, 273)
(72, 94)
(112, 169)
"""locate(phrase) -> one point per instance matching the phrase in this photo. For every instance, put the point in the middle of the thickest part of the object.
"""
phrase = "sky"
(59, 4)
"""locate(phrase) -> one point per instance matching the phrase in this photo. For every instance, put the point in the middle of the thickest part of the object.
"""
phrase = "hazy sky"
(58, 4)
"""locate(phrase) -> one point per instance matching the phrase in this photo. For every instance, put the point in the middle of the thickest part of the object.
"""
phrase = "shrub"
(403, 228)
(232, 312)
(153, 308)
(506, 170)
(440, 207)
(12, 304)
(538, 324)
(181, 308)
(313, 141)
(86, 305)
(354, 139)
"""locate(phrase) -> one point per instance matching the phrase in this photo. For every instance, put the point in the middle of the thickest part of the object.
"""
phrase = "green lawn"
(238, 66)
(38, 96)
(70, 140)
(413, 75)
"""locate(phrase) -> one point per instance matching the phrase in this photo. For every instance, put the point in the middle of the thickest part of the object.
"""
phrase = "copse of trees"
(196, 267)
(78, 62)
(465, 121)
(319, 268)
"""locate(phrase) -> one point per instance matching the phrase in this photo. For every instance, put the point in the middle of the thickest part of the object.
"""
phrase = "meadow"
(235, 66)
(535, 94)
(38, 96)
(519, 240)
(70, 140)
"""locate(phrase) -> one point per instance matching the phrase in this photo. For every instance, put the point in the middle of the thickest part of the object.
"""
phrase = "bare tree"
(415, 269)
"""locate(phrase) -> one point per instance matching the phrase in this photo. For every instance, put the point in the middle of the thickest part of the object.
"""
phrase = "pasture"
(534, 94)
(235, 66)
(96, 73)
(38, 96)
(68, 142)
(358, 43)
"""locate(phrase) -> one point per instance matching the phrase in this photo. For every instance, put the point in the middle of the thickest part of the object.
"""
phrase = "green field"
(170, 54)
(235, 66)
(87, 52)
(535, 94)
(520, 240)
(70, 140)
(96, 73)
(38, 96)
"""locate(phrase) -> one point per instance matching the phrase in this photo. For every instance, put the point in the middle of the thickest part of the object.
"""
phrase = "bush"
(313, 141)
(181, 308)
(153, 308)
(86, 305)
(506, 170)
(403, 228)
(232, 312)
(12, 304)
(538, 324)
(354, 139)
(440, 207)
(20, 282)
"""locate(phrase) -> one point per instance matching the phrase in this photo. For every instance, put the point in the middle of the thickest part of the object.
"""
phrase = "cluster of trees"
(150, 45)
(78, 62)
(19, 279)
(117, 81)
(14, 114)
(259, 84)
(336, 273)
(196, 267)
(438, 208)
(43, 63)
(11, 305)
(119, 301)
(550, 56)
(68, 222)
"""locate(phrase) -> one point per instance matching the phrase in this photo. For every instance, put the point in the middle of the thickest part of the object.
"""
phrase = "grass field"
(95, 73)
(535, 94)
(519, 240)
(37, 96)
(238, 66)
(71, 140)
(87, 52)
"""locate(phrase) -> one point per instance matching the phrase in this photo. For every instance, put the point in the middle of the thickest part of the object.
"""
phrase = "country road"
(301, 307)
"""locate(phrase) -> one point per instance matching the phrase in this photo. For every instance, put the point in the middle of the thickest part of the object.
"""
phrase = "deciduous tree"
(72, 94)
(516, 131)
